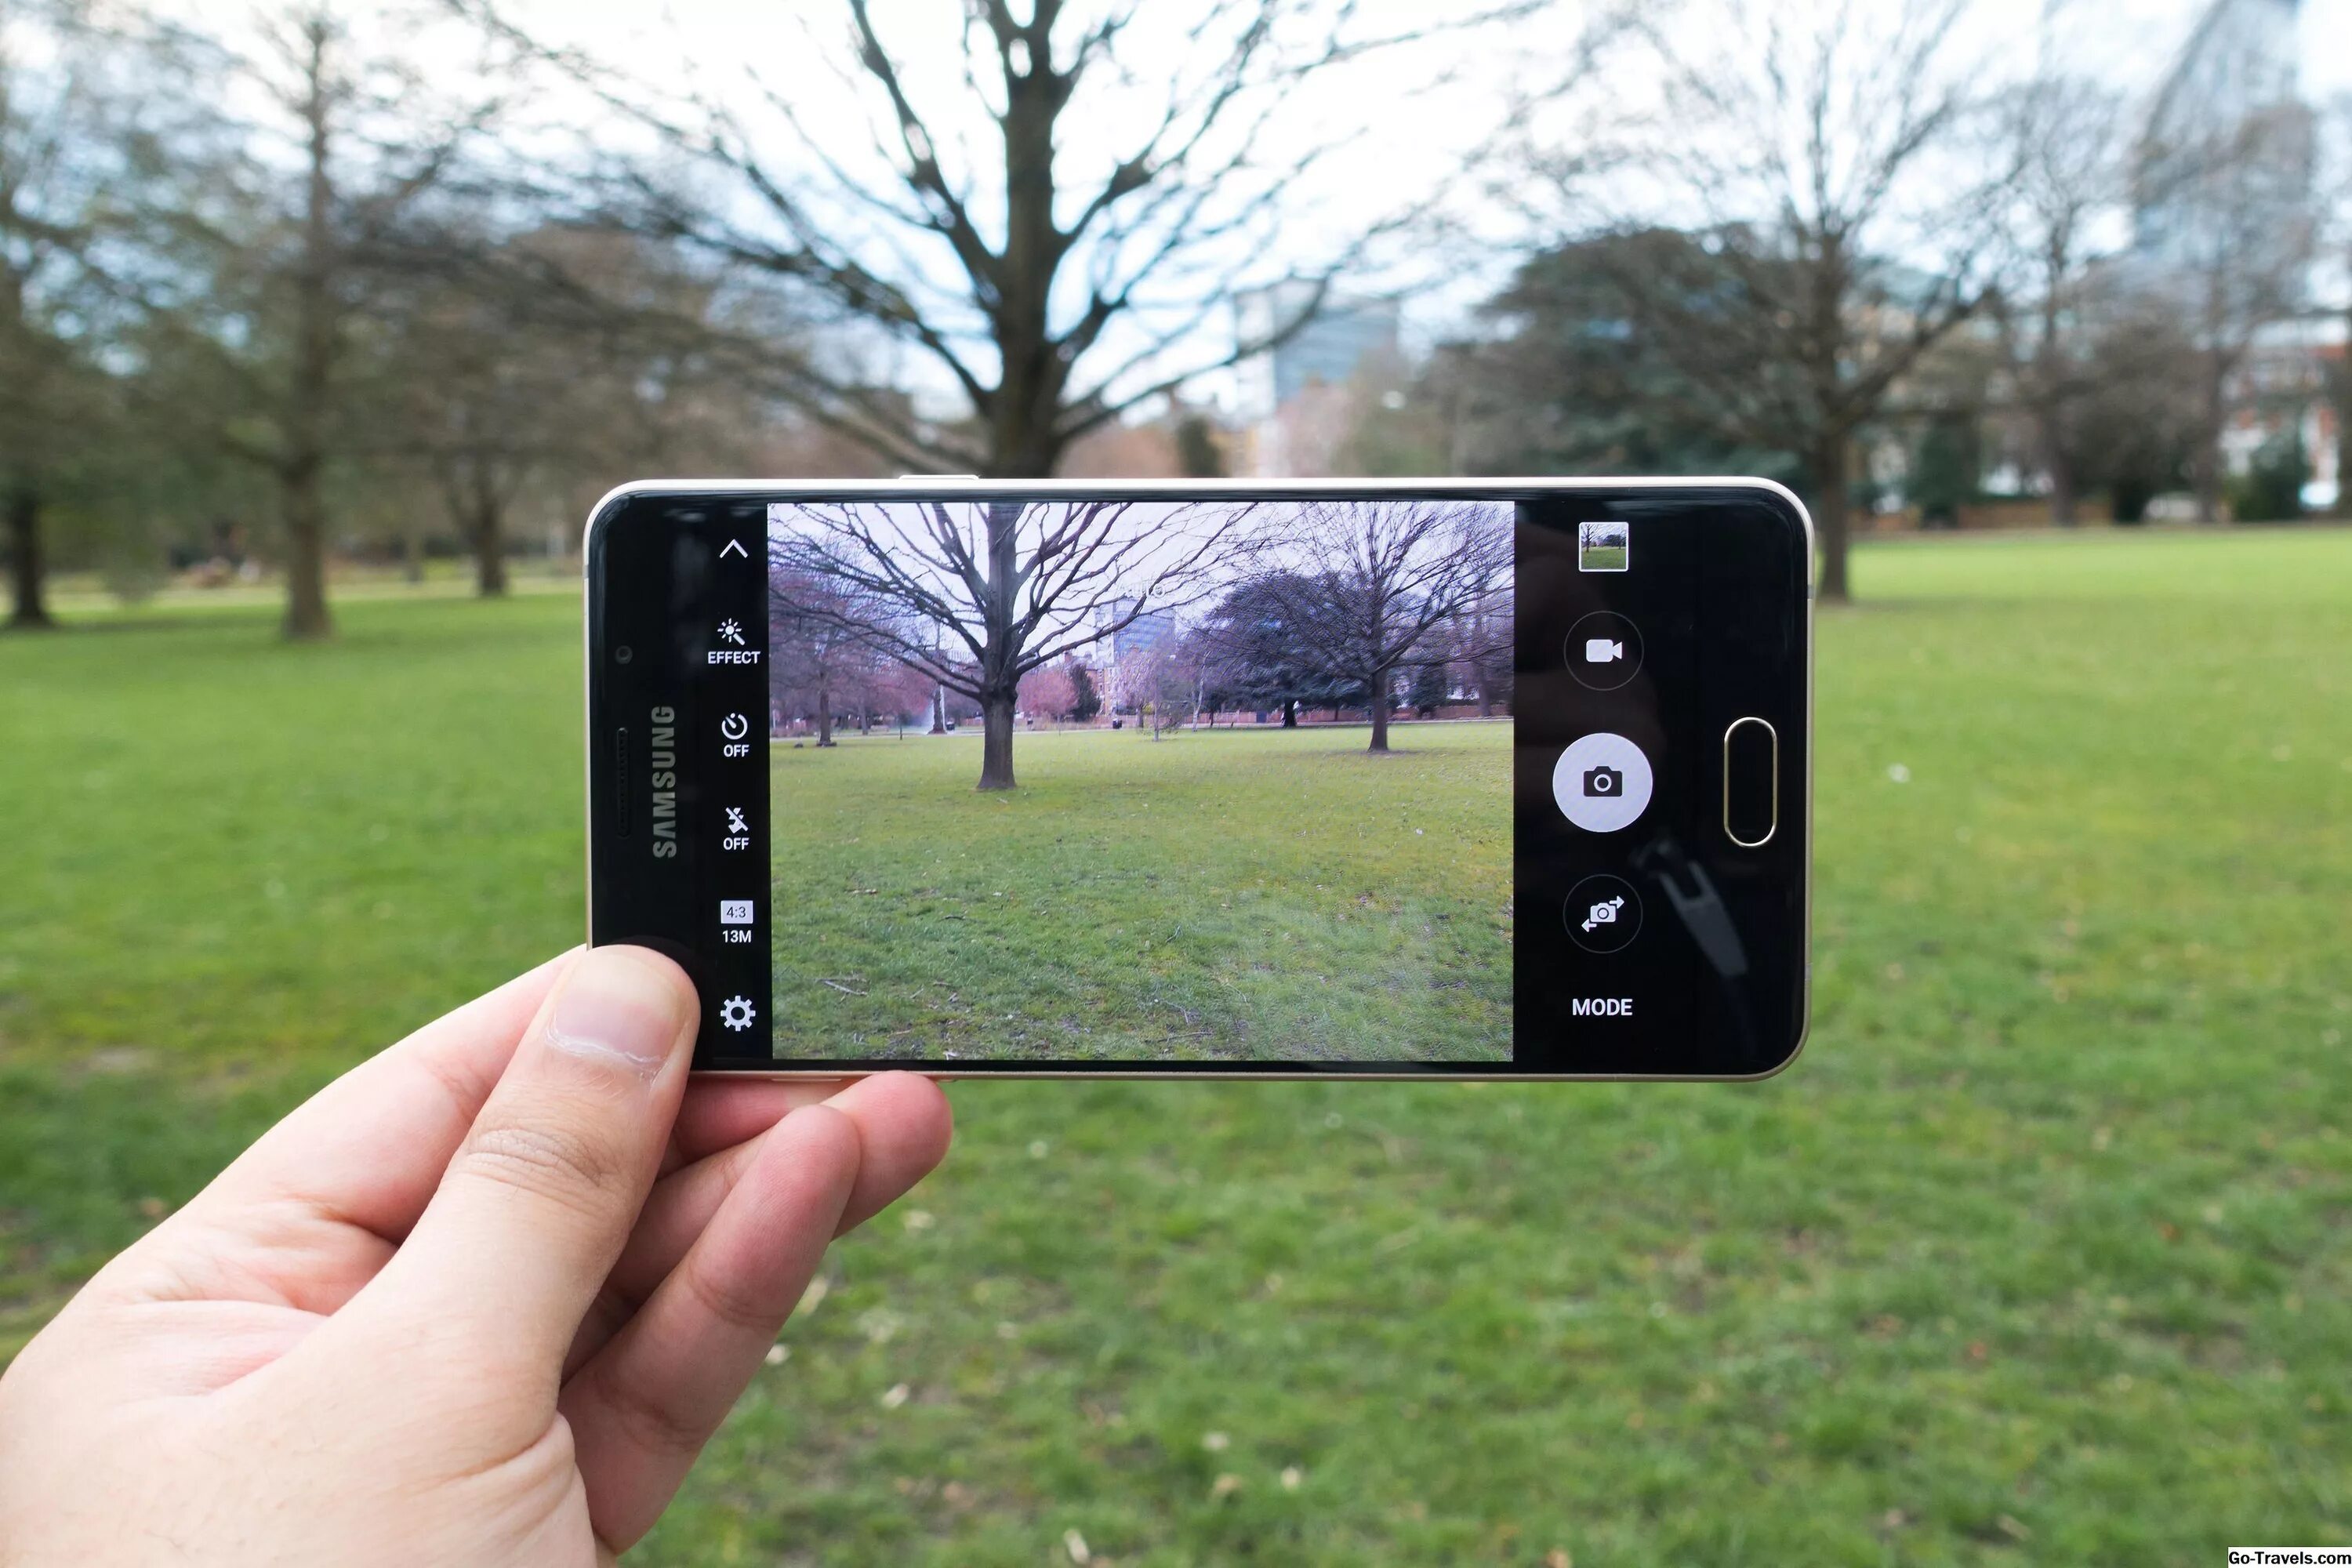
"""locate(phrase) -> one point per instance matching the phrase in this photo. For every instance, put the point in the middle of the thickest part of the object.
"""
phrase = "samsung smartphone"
(1433, 779)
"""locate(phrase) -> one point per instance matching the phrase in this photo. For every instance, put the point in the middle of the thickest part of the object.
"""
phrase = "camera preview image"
(1192, 781)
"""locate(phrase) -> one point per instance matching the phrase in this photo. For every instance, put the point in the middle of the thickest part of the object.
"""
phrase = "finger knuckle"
(732, 1303)
(650, 1416)
(560, 1165)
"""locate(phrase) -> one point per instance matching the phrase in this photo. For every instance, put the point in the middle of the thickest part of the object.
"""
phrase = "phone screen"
(1438, 782)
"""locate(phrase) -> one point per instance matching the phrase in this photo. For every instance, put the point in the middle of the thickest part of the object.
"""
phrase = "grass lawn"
(2041, 1253)
(1257, 894)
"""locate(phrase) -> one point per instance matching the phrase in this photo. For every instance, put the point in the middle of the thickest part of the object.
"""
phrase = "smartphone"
(1494, 779)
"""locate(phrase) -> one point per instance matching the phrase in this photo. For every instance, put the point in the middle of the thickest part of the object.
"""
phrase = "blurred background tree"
(1055, 288)
(1843, 225)
(279, 254)
(359, 286)
(57, 156)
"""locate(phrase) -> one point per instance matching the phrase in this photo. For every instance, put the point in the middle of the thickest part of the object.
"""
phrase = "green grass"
(1268, 895)
(2038, 1255)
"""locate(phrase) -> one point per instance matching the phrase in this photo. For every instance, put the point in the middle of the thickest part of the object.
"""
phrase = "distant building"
(1148, 632)
(2223, 168)
(2222, 216)
(1290, 392)
(1338, 337)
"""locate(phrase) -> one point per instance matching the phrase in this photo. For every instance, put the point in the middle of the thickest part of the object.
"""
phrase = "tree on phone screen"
(978, 594)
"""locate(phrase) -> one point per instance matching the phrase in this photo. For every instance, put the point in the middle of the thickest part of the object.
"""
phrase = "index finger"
(721, 1112)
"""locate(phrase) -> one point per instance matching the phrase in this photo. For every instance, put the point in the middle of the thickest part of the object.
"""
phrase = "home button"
(1751, 782)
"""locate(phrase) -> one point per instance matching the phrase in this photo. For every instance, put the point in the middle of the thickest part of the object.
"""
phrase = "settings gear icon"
(735, 1013)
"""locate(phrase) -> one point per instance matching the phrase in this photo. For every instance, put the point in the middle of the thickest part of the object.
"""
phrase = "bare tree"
(1373, 586)
(485, 398)
(1170, 684)
(67, 129)
(276, 250)
(1803, 140)
(516, 359)
(824, 638)
(2335, 191)
(987, 231)
(2066, 136)
(1485, 627)
(2225, 216)
(978, 593)
(40, 237)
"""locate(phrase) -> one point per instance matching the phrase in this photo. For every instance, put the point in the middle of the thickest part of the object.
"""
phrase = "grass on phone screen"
(2041, 1253)
(1213, 895)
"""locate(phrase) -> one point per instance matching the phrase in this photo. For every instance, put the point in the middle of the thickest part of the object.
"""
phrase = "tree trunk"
(1000, 656)
(938, 710)
(28, 575)
(1379, 707)
(307, 619)
(489, 540)
(2343, 507)
(2058, 462)
(824, 716)
(1830, 520)
(2205, 466)
(996, 740)
(1290, 713)
(1482, 668)
(307, 386)
(1022, 414)
(2049, 374)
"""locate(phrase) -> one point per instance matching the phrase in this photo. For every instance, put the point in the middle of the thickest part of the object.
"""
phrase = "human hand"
(481, 1300)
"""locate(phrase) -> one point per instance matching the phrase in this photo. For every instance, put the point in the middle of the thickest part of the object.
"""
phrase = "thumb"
(539, 1197)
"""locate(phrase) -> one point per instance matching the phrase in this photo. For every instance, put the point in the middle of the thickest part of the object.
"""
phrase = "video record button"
(1603, 914)
(1603, 650)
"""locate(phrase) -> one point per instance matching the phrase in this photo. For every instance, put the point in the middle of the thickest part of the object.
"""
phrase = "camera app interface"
(1210, 781)
(1223, 783)
(1660, 895)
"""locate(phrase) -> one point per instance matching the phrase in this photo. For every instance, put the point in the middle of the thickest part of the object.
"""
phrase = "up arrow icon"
(736, 546)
